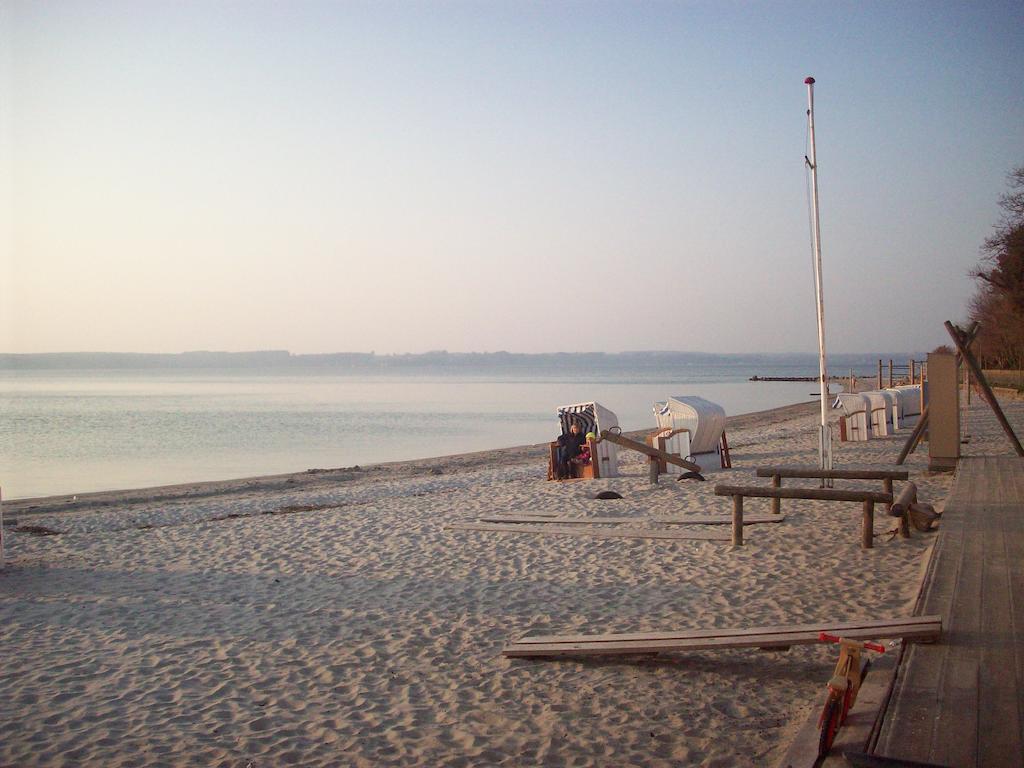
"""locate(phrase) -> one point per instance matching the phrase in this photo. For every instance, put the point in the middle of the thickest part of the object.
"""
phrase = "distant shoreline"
(372, 362)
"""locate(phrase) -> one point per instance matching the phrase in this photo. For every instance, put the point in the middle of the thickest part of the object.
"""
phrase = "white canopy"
(704, 419)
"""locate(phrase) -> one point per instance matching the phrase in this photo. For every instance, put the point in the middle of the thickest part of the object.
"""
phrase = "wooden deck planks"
(959, 701)
(999, 725)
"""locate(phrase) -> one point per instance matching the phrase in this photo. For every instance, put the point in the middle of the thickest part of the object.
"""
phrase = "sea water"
(69, 432)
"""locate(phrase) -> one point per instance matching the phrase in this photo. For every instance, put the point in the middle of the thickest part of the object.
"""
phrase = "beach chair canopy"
(592, 417)
(704, 419)
(909, 399)
(851, 404)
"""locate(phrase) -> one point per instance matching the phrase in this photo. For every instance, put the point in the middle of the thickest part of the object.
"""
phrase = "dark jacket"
(571, 444)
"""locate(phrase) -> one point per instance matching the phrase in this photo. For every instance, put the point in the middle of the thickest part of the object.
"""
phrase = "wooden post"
(776, 503)
(890, 375)
(901, 508)
(737, 521)
(887, 487)
(879, 374)
(652, 469)
(867, 530)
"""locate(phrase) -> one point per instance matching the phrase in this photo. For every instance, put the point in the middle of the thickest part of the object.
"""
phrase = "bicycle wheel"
(830, 717)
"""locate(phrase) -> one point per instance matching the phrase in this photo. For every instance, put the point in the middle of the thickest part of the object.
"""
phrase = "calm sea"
(65, 432)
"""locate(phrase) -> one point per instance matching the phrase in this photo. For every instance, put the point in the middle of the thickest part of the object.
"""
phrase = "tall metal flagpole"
(825, 436)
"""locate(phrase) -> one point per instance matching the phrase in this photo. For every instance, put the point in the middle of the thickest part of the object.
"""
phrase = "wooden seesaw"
(654, 454)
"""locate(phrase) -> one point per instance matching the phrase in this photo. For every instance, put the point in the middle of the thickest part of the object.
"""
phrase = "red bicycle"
(843, 687)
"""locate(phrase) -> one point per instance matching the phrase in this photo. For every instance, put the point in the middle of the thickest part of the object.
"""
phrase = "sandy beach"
(331, 618)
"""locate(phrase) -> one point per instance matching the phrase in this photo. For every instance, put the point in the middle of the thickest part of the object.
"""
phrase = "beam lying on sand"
(598, 533)
(691, 520)
(654, 453)
(909, 628)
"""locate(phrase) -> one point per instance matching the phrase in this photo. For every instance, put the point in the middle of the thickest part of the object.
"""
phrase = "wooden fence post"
(776, 503)
(867, 530)
(737, 521)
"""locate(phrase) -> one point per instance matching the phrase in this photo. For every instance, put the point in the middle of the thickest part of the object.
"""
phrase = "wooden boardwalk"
(960, 701)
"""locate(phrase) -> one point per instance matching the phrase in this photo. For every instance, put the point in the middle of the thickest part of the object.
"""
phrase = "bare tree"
(998, 305)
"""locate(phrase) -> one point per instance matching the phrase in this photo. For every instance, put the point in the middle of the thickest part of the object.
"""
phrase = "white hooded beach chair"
(882, 404)
(908, 404)
(854, 411)
(690, 426)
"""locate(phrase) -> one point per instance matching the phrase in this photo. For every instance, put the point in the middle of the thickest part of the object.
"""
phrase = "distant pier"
(793, 378)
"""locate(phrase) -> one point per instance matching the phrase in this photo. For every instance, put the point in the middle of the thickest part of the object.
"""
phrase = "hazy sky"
(341, 176)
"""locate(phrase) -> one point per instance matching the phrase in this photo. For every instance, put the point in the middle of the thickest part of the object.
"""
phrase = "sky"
(483, 176)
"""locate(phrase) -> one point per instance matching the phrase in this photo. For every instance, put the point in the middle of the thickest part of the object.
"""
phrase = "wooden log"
(737, 521)
(901, 508)
(833, 474)
(816, 494)
(915, 436)
(867, 531)
(922, 516)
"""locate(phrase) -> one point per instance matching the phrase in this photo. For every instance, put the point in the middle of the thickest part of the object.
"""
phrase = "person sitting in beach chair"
(583, 457)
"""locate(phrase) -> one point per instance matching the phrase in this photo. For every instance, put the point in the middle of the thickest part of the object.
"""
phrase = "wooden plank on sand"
(598, 533)
(916, 628)
(691, 520)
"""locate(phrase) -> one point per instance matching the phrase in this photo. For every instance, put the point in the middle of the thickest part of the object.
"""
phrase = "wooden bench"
(808, 473)
(867, 498)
